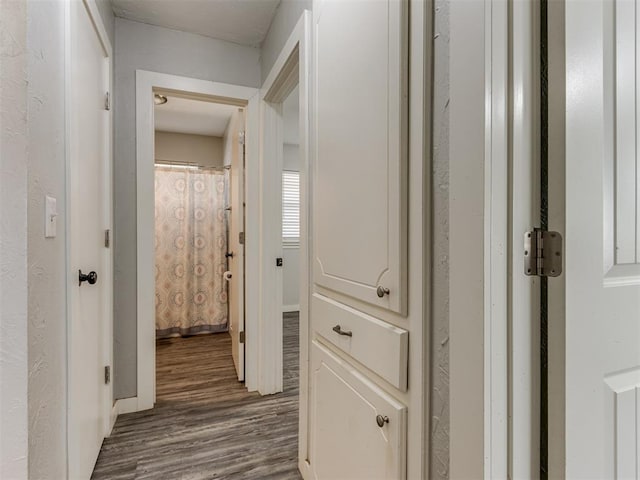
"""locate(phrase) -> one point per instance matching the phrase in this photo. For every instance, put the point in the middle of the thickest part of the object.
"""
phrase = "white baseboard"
(290, 308)
(127, 405)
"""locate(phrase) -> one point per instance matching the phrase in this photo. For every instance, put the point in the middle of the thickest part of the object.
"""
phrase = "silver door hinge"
(542, 253)
(107, 238)
(242, 337)
(107, 101)
(241, 238)
(107, 375)
(241, 136)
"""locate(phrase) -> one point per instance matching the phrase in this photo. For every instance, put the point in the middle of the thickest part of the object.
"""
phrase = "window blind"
(290, 208)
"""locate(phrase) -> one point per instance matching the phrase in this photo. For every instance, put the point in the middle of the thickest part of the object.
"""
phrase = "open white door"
(89, 271)
(595, 395)
(236, 246)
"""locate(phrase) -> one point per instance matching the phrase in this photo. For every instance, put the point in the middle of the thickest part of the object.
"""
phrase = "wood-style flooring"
(205, 425)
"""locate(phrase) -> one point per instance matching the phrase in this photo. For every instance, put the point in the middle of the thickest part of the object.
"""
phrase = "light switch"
(50, 217)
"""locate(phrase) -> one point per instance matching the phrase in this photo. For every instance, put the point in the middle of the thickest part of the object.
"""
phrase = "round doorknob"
(382, 291)
(381, 420)
(91, 277)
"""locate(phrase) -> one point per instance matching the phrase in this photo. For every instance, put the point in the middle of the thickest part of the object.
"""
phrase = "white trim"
(292, 66)
(290, 308)
(126, 405)
(146, 82)
(479, 140)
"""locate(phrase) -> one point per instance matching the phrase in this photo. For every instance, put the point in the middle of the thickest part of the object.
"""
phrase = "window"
(290, 208)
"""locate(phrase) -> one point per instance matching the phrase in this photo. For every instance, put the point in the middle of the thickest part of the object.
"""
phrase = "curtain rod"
(195, 166)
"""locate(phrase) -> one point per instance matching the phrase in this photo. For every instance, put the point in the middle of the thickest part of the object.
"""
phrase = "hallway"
(205, 425)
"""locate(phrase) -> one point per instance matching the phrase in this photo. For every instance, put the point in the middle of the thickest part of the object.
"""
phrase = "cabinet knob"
(381, 420)
(382, 291)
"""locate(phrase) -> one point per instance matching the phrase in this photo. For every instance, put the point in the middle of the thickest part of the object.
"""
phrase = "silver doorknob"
(382, 291)
(381, 420)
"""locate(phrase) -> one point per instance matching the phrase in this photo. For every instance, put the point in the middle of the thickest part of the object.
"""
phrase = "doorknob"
(381, 420)
(229, 254)
(91, 277)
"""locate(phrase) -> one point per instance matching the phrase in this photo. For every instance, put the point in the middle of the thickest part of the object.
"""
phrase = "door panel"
(89, 127)
(602, 274)
(236, 226)
(347, 441)
(360, 220)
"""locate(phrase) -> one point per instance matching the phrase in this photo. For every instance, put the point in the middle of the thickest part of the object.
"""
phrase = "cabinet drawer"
(376, 344)
(346, 440)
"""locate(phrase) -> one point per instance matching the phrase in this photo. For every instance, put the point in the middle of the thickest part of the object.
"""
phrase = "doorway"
(198, 184)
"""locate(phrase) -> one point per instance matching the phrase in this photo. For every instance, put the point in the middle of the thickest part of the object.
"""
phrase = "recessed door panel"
(360, 190)
(359, 431)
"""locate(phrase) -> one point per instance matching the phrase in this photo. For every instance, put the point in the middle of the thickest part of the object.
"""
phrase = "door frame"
(291, 68)
(146, 84)
(494, 309)
(108, 413)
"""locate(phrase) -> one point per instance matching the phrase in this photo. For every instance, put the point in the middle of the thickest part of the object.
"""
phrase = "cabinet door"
(359, 125)
(346, 440)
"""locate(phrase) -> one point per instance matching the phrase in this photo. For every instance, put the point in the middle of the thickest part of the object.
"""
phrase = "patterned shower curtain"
(191, 242)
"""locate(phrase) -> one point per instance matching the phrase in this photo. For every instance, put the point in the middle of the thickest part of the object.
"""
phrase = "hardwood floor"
(205, 425)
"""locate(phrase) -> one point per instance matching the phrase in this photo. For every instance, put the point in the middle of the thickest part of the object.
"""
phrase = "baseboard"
(290, 308)
(127, 405)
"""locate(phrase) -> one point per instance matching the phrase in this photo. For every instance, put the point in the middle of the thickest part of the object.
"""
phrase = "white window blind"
(290, 208)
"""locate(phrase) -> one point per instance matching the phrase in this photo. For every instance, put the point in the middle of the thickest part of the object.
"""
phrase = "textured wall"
(157, 49)
(13, 241)
(46, 269)
(286, 17)
(439, 455)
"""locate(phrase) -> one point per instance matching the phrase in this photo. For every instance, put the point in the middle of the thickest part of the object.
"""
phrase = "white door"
(236, 227)
(89, 125)
(601, 377)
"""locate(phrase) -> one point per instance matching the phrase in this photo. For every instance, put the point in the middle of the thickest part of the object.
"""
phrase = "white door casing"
(89, 201)
(362, 177)
(146, 83)
(236, 226)
(596, 372)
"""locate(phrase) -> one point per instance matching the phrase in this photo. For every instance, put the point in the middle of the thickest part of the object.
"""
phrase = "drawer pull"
(382, 291)
(339, 331)
(381, 420)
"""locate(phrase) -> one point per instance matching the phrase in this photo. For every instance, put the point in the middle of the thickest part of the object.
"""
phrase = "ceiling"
(183, 115)
(240, 21)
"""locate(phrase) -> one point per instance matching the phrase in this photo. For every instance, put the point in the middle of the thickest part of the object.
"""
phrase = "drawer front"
(376, 344)
(346, 440)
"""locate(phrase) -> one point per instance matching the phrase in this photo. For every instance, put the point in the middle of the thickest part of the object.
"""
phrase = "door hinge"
(242, 337)
(241, 238)
(107, 238)
(542, 253)
(107, 375)
(107, 101)
(241, 137)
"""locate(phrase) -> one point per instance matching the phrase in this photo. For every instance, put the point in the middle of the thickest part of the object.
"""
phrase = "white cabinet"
(346, 440)
(360, 150)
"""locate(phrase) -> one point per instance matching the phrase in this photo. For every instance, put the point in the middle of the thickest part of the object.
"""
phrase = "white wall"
(147, 47)
(13, 242)
(202, 150)
(46, 266)
(286, 17)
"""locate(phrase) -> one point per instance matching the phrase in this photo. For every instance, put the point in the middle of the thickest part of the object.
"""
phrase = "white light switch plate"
(50, 217)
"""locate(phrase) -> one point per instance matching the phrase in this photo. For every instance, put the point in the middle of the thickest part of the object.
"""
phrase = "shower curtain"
(190, 247)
